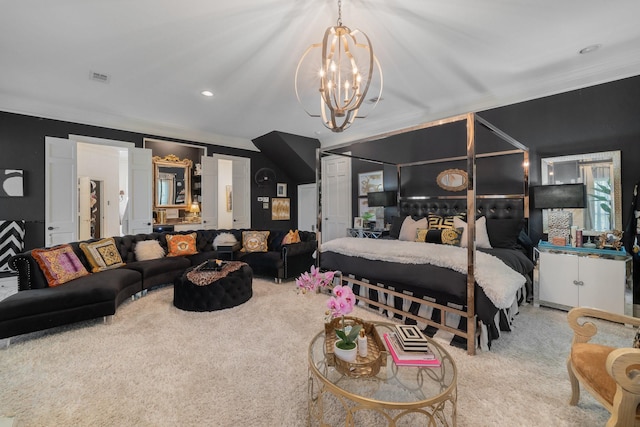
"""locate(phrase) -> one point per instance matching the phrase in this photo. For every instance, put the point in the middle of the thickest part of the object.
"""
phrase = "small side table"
(228, 251)
(365, 233)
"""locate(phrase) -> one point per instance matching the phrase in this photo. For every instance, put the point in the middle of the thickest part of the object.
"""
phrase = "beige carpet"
(155, 365)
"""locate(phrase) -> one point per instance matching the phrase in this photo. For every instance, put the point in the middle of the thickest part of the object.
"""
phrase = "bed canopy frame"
(472, 120)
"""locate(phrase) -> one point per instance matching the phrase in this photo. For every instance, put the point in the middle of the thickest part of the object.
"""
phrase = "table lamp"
(556, 198)
(195, 210)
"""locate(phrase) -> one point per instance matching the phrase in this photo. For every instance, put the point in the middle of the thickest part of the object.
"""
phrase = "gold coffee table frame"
(397, 395)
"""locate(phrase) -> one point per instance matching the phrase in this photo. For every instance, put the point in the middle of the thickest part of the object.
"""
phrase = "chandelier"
(342, 75)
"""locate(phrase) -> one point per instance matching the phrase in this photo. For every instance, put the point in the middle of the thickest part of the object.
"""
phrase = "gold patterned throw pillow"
(255, 241)
(59, 264)
(445, 236)
(102, 255)
(181, 244)
(439, 222)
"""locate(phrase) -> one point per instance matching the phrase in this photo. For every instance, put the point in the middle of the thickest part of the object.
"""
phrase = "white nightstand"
(571, 277)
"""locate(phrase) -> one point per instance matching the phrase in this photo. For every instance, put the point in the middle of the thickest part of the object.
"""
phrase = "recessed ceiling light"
(207, 93)
(589, 49)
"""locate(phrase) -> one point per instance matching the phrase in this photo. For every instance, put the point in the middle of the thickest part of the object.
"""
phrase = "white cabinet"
(571, 278)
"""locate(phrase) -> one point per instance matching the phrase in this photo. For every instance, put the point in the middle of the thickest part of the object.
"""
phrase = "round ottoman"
(226, 292)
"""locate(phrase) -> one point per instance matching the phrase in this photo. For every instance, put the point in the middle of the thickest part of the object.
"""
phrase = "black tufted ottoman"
(226, 292)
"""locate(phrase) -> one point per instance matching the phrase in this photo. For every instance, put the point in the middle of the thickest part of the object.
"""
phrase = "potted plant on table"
(340, 304)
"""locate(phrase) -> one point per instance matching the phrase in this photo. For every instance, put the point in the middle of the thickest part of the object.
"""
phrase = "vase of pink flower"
(339, 305)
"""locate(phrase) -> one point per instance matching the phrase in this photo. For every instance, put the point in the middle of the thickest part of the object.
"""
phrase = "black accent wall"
(22, 147)
(605, 117)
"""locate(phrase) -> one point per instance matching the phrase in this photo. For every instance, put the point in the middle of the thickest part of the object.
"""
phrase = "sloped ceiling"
(295, 155)
(439, 58)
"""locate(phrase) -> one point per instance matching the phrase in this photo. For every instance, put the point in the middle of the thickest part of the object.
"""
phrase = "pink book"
(415, 362)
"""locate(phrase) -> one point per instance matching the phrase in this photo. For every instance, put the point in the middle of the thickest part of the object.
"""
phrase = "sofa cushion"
(155, 267)
(255, 241)
(181, 244)
(94, 288)
(102, 255)
(148, 249)
(59, 264)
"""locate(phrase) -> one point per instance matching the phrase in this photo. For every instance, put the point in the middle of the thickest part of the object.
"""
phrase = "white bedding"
(499, 282)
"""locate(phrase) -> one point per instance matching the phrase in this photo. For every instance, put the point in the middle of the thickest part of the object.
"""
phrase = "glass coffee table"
(395, 396)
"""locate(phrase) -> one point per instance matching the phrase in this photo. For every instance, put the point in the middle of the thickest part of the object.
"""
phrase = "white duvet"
(499, 282)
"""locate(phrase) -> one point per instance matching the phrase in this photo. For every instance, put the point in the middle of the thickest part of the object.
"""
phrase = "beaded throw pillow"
(181, 244)
(102, 255)
(255, 241)
(59, 264)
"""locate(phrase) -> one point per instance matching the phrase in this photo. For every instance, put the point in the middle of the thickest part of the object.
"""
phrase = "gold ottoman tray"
(367, 366)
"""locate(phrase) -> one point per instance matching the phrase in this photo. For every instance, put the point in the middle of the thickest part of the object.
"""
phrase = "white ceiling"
(439, 58)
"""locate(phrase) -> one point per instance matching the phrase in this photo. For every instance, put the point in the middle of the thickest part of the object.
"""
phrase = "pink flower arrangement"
(342, 301)
(339, 304)
(313, 280)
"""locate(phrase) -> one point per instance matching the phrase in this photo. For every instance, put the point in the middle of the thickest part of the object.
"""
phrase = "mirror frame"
(443, 179)
(173, 162)
(616, 188)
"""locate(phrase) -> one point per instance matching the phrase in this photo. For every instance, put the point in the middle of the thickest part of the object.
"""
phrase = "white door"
(61, 191)
(335, 199)
(138, 212)
(307, 207)
(209, 193)
(241, 188)
(241, 192)
(84, 207)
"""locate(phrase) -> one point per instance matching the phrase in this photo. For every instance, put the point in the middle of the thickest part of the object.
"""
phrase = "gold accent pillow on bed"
(447, 236)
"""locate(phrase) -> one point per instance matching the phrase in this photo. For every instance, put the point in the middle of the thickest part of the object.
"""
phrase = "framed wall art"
(281, 190)
(369, 182)
(11, 183)
(280, 209)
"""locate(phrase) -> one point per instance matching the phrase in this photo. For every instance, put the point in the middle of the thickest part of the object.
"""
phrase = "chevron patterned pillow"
(11, 241)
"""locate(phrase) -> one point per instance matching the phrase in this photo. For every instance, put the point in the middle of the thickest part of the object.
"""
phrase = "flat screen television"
(381, 198)
(558, 196)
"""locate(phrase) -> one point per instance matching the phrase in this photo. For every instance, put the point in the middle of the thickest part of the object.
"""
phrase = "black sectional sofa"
(36, 306)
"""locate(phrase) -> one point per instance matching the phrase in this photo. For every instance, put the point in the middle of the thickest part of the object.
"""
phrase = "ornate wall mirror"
(172, 182)
(600, 173)
(452, 180)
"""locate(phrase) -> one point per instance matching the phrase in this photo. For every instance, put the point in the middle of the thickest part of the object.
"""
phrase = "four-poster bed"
(403, 280)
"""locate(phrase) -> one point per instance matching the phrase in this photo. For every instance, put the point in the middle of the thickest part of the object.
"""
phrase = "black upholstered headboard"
(499, 208)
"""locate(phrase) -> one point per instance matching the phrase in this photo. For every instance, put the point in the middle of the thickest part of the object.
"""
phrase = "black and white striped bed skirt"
(503, 320)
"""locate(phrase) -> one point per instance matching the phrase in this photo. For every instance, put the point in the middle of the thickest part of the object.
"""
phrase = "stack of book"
(409, 347)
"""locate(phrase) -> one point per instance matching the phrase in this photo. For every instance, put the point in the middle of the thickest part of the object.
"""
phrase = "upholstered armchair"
(611, 375)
